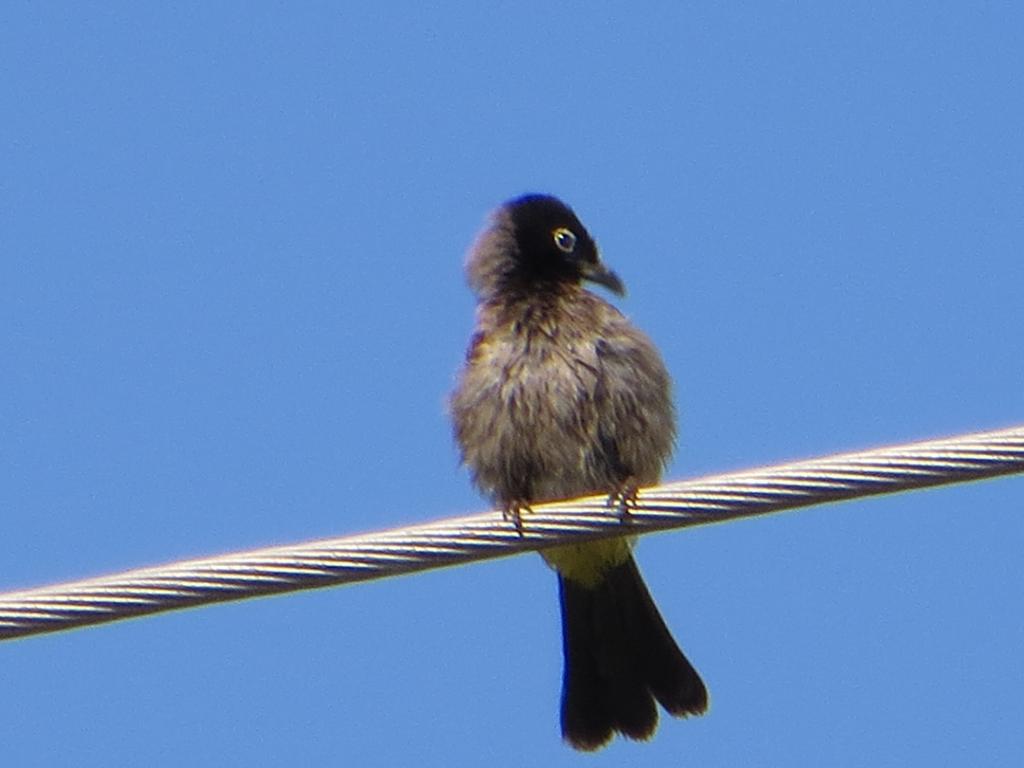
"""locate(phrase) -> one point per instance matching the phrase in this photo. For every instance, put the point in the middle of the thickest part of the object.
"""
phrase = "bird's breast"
(555, 404)
(527, 413)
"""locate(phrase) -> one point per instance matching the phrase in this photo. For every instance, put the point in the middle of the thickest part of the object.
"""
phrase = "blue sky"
(232, 304)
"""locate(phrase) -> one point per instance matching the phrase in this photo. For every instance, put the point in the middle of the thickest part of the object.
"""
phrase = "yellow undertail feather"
(587, 563)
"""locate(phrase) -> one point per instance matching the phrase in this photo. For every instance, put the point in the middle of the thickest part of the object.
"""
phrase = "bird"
(561, 396)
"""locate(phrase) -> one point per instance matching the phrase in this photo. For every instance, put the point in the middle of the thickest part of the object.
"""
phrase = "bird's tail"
(619, 658)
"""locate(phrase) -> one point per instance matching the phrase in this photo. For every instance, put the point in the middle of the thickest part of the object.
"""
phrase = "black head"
(536, 243)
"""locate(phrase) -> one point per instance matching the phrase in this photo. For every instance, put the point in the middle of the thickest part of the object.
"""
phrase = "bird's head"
(535, 243)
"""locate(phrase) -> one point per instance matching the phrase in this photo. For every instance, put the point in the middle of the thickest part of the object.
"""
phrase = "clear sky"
(232, 304)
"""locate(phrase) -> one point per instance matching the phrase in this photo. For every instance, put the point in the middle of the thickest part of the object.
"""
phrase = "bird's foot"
(513, 512)
(623, 499)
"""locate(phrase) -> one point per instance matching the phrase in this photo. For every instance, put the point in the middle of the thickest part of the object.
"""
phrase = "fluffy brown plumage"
(561, 396)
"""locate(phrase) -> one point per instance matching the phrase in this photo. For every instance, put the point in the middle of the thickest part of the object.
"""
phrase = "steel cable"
(329, 562)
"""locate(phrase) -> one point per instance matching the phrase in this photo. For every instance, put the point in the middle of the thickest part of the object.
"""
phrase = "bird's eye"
(564, 239)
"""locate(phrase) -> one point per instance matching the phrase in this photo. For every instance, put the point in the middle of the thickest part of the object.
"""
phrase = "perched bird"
(561, 396)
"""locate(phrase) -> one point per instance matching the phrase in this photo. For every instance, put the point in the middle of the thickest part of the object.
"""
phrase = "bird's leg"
(623, 498)
(513, 512)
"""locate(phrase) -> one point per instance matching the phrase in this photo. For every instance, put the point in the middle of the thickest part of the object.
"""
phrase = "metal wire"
(329, 562)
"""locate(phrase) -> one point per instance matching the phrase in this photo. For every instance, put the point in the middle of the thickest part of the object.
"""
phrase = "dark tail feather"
(620, 658)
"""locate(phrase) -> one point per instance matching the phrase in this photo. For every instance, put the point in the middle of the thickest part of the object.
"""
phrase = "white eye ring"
(565, 240)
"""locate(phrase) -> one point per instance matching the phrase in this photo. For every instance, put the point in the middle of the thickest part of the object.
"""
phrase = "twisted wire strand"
(348, 559)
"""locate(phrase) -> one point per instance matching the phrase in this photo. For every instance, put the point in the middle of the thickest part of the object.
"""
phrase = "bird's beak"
(600, 274)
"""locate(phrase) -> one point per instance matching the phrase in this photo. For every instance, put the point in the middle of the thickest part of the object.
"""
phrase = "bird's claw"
(624, 499)
(513, 513)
